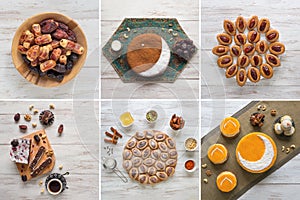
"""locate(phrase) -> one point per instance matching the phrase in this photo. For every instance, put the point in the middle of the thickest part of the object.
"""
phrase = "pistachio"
(205, 180)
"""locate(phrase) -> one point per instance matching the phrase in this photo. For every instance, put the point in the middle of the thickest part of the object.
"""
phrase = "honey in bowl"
(126, 119)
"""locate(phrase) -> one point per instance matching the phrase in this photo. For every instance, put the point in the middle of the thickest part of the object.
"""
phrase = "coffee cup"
(56, 183)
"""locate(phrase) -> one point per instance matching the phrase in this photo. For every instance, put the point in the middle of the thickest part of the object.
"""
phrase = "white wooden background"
(112, 14)
(14, 13)
(182, 185)
(284, 16)
(77, 149)
(282, 184)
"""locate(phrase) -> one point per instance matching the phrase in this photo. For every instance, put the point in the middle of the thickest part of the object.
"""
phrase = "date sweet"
(277, 48)
(235, 51)
(240, 39)
(74, 47)
(272, 35)
(33, 53)
(249, 49)
(240, 24)
(224, 39)
(220, 50)
(253, 36)
(243, 61)
(256, 60)
(225, 61)
(263, 25)
(253, 74)
(231, 71)
(55, 54)
(48, 26)
(43, 39)
(272, 60)
(36, 29)
(261, 47)
(241, 77)
(47, 65)
(44, 53)
(266, 71)
(229, 27)
(252, 23)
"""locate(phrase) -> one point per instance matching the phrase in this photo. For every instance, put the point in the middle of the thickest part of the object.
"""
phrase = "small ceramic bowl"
(151, 116)
(126, 116)
(190, 144)
(22, 67)
(190, 162)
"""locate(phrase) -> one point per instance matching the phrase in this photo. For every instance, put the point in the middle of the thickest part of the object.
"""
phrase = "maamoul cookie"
(217, 153)
(230, 127)
(226, 181)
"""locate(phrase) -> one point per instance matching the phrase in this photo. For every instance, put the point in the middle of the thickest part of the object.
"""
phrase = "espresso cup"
(55, 186)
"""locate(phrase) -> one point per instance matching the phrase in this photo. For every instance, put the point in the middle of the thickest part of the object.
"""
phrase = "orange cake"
(226, 181)
(217, 153)
(256, 152)
(230, 127)
(144, 51)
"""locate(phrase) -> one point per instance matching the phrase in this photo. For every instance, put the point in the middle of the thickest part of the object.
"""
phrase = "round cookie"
(230, 127)
(226, 181)
(150, 157)
(144, 51)
(256, 152)
(217, 153)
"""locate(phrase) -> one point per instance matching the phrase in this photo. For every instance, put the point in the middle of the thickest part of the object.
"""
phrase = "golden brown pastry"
(229, 27)
(224, 39)
(253, 74)
(220, 50)
(241, 77)
(252, 23)
(263, 25)
(266, 70)
(225, 61)
(240, 24)
(272, 35)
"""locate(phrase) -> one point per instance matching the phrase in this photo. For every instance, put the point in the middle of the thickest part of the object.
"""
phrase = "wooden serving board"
(245, 179)
(23, 168)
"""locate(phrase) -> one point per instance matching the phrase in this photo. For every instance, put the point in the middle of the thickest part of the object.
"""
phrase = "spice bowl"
(190, 165)
(151, 116)
(191, 144)
(23, 67)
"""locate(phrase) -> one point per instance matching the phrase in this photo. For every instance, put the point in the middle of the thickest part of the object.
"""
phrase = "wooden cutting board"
(24, 168)
(245, 179)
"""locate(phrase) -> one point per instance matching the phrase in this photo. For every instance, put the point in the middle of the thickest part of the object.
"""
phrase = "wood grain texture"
(85, 13)
(188, 17)
(285, 177)
(181, 185)
(285, 20)
(77, 149)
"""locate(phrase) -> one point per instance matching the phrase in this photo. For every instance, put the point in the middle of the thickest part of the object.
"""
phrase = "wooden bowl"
(22, 67)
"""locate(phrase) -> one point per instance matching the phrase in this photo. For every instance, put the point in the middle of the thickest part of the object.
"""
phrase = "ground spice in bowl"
(189, 165)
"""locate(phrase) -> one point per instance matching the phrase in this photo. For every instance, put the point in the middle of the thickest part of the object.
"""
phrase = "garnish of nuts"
(287, 150)
(35, 111)
(34, 125)
(41, 182)
(293, 146)
(27, 117)
(42, 191)
(273, 112)
(257, 119)
(283, 148)
(49, 153)
(177, 122)
(51, 106)
(208, 172)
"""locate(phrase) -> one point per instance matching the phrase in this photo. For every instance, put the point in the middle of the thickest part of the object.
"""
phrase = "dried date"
(48, 26)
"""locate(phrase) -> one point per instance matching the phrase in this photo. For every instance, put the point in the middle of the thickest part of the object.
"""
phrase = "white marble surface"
(13, 14)
(187, 13)
(284, 16)
(77, 149)
(282, 184)
(182, 185)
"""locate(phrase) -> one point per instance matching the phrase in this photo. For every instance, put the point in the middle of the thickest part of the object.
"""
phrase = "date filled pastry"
(229, 27)
(217, 153)
(226, 181)
(146, 156)
(240, 24)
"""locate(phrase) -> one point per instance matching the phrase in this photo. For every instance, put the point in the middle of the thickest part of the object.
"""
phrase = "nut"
(128, 29)
(208, 172)
(263, 107)
(125, 35)
(51, 106)
(273, 112)
(34, 125)
(60, 129)
(41, 183)
(49, 153)
(27, 117)
(60, 167)
(42, 191)
(31, 107)
(205, 180)
(287, 151)
(35, 111)
(176, 122)
(175, 34)
(204, 165)
(293, 146)
(44, 136)
(257, 119)
(283, 148)
(170, 30)
(259, 107)
(17, 117)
